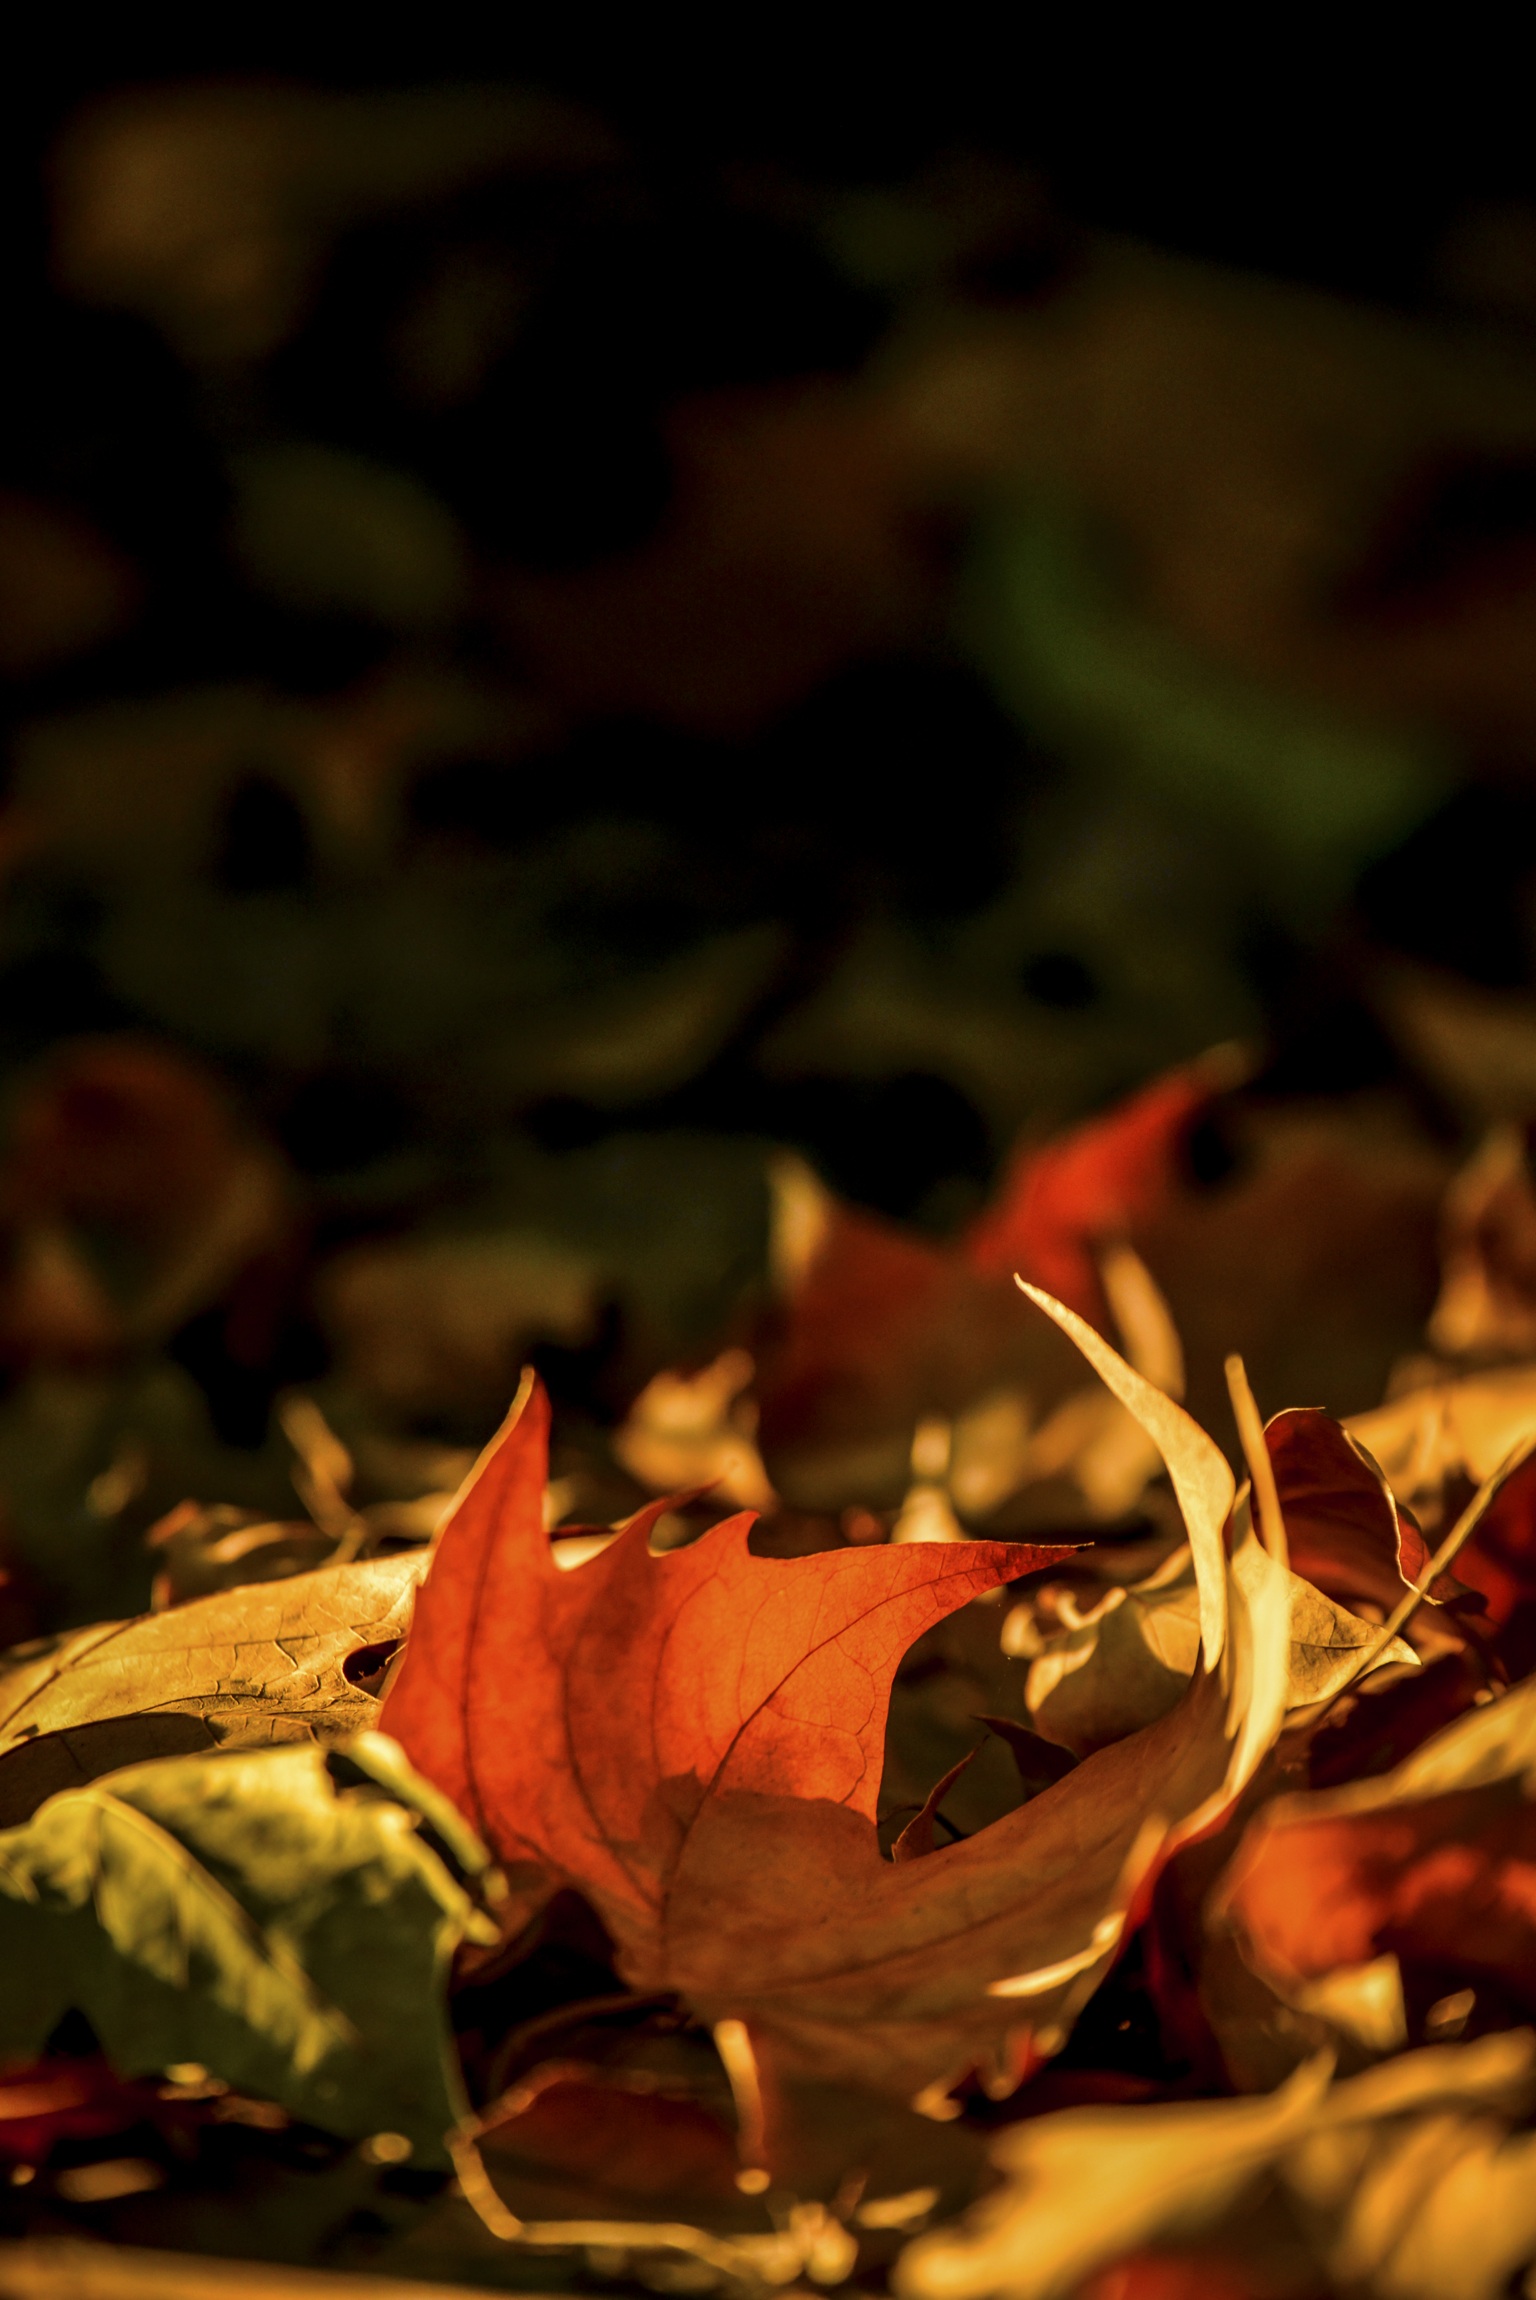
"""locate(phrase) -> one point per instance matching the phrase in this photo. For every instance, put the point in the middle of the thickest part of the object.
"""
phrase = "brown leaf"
(1499, 1564)
(252, 1665)
(698, 1430)
(1125, 1662)
(123, 1158)
(1437, 1444)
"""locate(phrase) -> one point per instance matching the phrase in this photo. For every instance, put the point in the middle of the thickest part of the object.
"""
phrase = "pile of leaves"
(850, 1892)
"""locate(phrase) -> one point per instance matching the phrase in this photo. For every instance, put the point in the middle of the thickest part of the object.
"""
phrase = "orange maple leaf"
(694, 1742)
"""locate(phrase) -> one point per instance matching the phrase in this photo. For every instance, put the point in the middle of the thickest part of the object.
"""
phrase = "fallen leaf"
(877, 1336)
(1100, 1674)
(1345, 1530)
(1406, 2182)
(1124, 1662)
(1441, 1443)
(1301, 1237)
(1499, 1565)
(693, 1741)
(59, 2099)
(1062, 1202)
(1434, 1862)
(1088, 2185)
(872, 1330)
(1327, 1645)
(1314, 1256)
(202, 1552)
(135, 1201)
(247, 1912)
(436, 1325)
(252, 1665)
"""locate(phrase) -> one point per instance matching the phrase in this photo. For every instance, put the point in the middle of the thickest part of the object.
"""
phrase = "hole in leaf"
(365, 1668)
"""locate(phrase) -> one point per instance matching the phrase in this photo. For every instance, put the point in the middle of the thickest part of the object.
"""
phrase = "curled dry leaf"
(1406, 2182)
(1126, 1660)
(1437, 1446)
(693, 1741)
(1346, 1533)
(1433, 1863)
(252, 1665)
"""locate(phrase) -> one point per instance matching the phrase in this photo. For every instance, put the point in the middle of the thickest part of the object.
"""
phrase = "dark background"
(489, 803)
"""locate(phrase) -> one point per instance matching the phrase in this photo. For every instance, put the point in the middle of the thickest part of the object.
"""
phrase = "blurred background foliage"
(578, 609)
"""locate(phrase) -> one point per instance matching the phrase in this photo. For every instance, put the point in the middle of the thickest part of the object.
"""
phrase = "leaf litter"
(578, 1862)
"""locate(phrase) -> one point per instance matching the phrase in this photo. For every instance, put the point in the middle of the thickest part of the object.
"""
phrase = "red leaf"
(1450, 1882)
(77, 2099)
(1500, 1562)
(1434, 1863)
(1346, 1533)
(879, 1328)
(1096, 1183)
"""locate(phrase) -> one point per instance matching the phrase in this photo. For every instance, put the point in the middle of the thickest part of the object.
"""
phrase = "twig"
(731, 2260)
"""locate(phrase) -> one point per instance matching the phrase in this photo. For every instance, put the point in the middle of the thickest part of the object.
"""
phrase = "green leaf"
(247, 1911)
